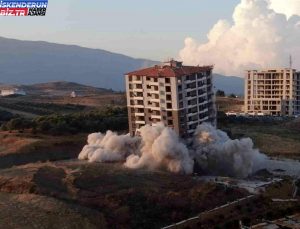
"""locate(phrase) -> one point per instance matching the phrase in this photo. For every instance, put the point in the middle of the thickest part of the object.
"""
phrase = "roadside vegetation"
(110, 118)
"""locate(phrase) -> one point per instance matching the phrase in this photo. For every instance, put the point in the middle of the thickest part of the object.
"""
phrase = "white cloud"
(287, 7)
(259, 37)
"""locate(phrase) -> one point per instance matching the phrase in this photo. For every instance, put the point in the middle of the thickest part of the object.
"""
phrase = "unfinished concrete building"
(179, 96)
(272, 92)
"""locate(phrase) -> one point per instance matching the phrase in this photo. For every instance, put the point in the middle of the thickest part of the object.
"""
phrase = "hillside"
(62, 87)
(28, 62)
(103, 196)
(32, 62)
(229, 84)
(59, 88)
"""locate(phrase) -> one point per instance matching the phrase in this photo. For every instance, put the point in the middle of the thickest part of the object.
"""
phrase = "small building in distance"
(73, 94)
(12, 91)
(272, 92)
(180, 96)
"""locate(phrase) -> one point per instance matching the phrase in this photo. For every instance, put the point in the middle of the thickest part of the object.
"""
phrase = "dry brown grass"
(24, 148)
(271, 139)
(10, 143)
(226, 104)
(34, 211)
(276, 145)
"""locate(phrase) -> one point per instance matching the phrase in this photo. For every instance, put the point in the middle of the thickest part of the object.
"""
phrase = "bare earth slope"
(34, 211)
(126, 198)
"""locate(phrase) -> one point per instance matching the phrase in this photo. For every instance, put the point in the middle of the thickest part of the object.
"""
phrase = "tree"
(232, 95)
(220, 93)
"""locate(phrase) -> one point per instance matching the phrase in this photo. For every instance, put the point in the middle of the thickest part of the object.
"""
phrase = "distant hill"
(62, 87)
(58, 88)
(229, 84)
(32, 62)
(28, 62)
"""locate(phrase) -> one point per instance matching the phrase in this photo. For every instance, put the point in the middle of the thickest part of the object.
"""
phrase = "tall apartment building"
(272, 92)
(179, 96)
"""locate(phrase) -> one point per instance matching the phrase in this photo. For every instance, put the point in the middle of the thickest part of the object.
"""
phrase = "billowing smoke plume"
(217, 154)
(160, 147)
(109, 147)
(263, 34)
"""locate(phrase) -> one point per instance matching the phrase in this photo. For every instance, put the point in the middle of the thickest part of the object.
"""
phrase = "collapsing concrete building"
(179, 96)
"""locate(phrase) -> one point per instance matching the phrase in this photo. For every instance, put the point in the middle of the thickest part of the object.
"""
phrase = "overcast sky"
(153, 29)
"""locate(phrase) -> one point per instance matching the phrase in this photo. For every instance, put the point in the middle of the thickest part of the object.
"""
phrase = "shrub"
(114, 119)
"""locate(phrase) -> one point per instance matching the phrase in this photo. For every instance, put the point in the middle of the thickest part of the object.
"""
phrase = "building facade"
(179, 96)
(272, 92)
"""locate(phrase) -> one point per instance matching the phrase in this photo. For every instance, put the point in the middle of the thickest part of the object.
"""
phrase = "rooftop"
(170, 69)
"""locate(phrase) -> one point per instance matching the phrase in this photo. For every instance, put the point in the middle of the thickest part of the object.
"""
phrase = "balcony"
(154, 105)
(189, 89)
(203, 111)
(190, 79)
(152, 92)
(204, 119)
(137, 89)
(202, 101)
(139, 114)
(137, 81)
(137, 103)
(202, 86)
(152, 83)
(140, 122)
(191, 94)
(153, 99)
(192, 113)
(156, 117)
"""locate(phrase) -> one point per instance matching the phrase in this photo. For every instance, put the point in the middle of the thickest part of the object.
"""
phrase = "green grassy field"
(271, 139)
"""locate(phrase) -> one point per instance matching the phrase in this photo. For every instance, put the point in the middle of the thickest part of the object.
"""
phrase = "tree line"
(111, 118)
(221, 93)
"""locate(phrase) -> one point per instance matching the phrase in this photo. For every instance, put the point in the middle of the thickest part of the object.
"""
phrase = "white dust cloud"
(109, 147)
(258, 37)
(160, 147)
(217, 154)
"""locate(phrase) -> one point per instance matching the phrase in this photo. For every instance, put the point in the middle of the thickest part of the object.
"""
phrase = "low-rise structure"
(73, 94)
